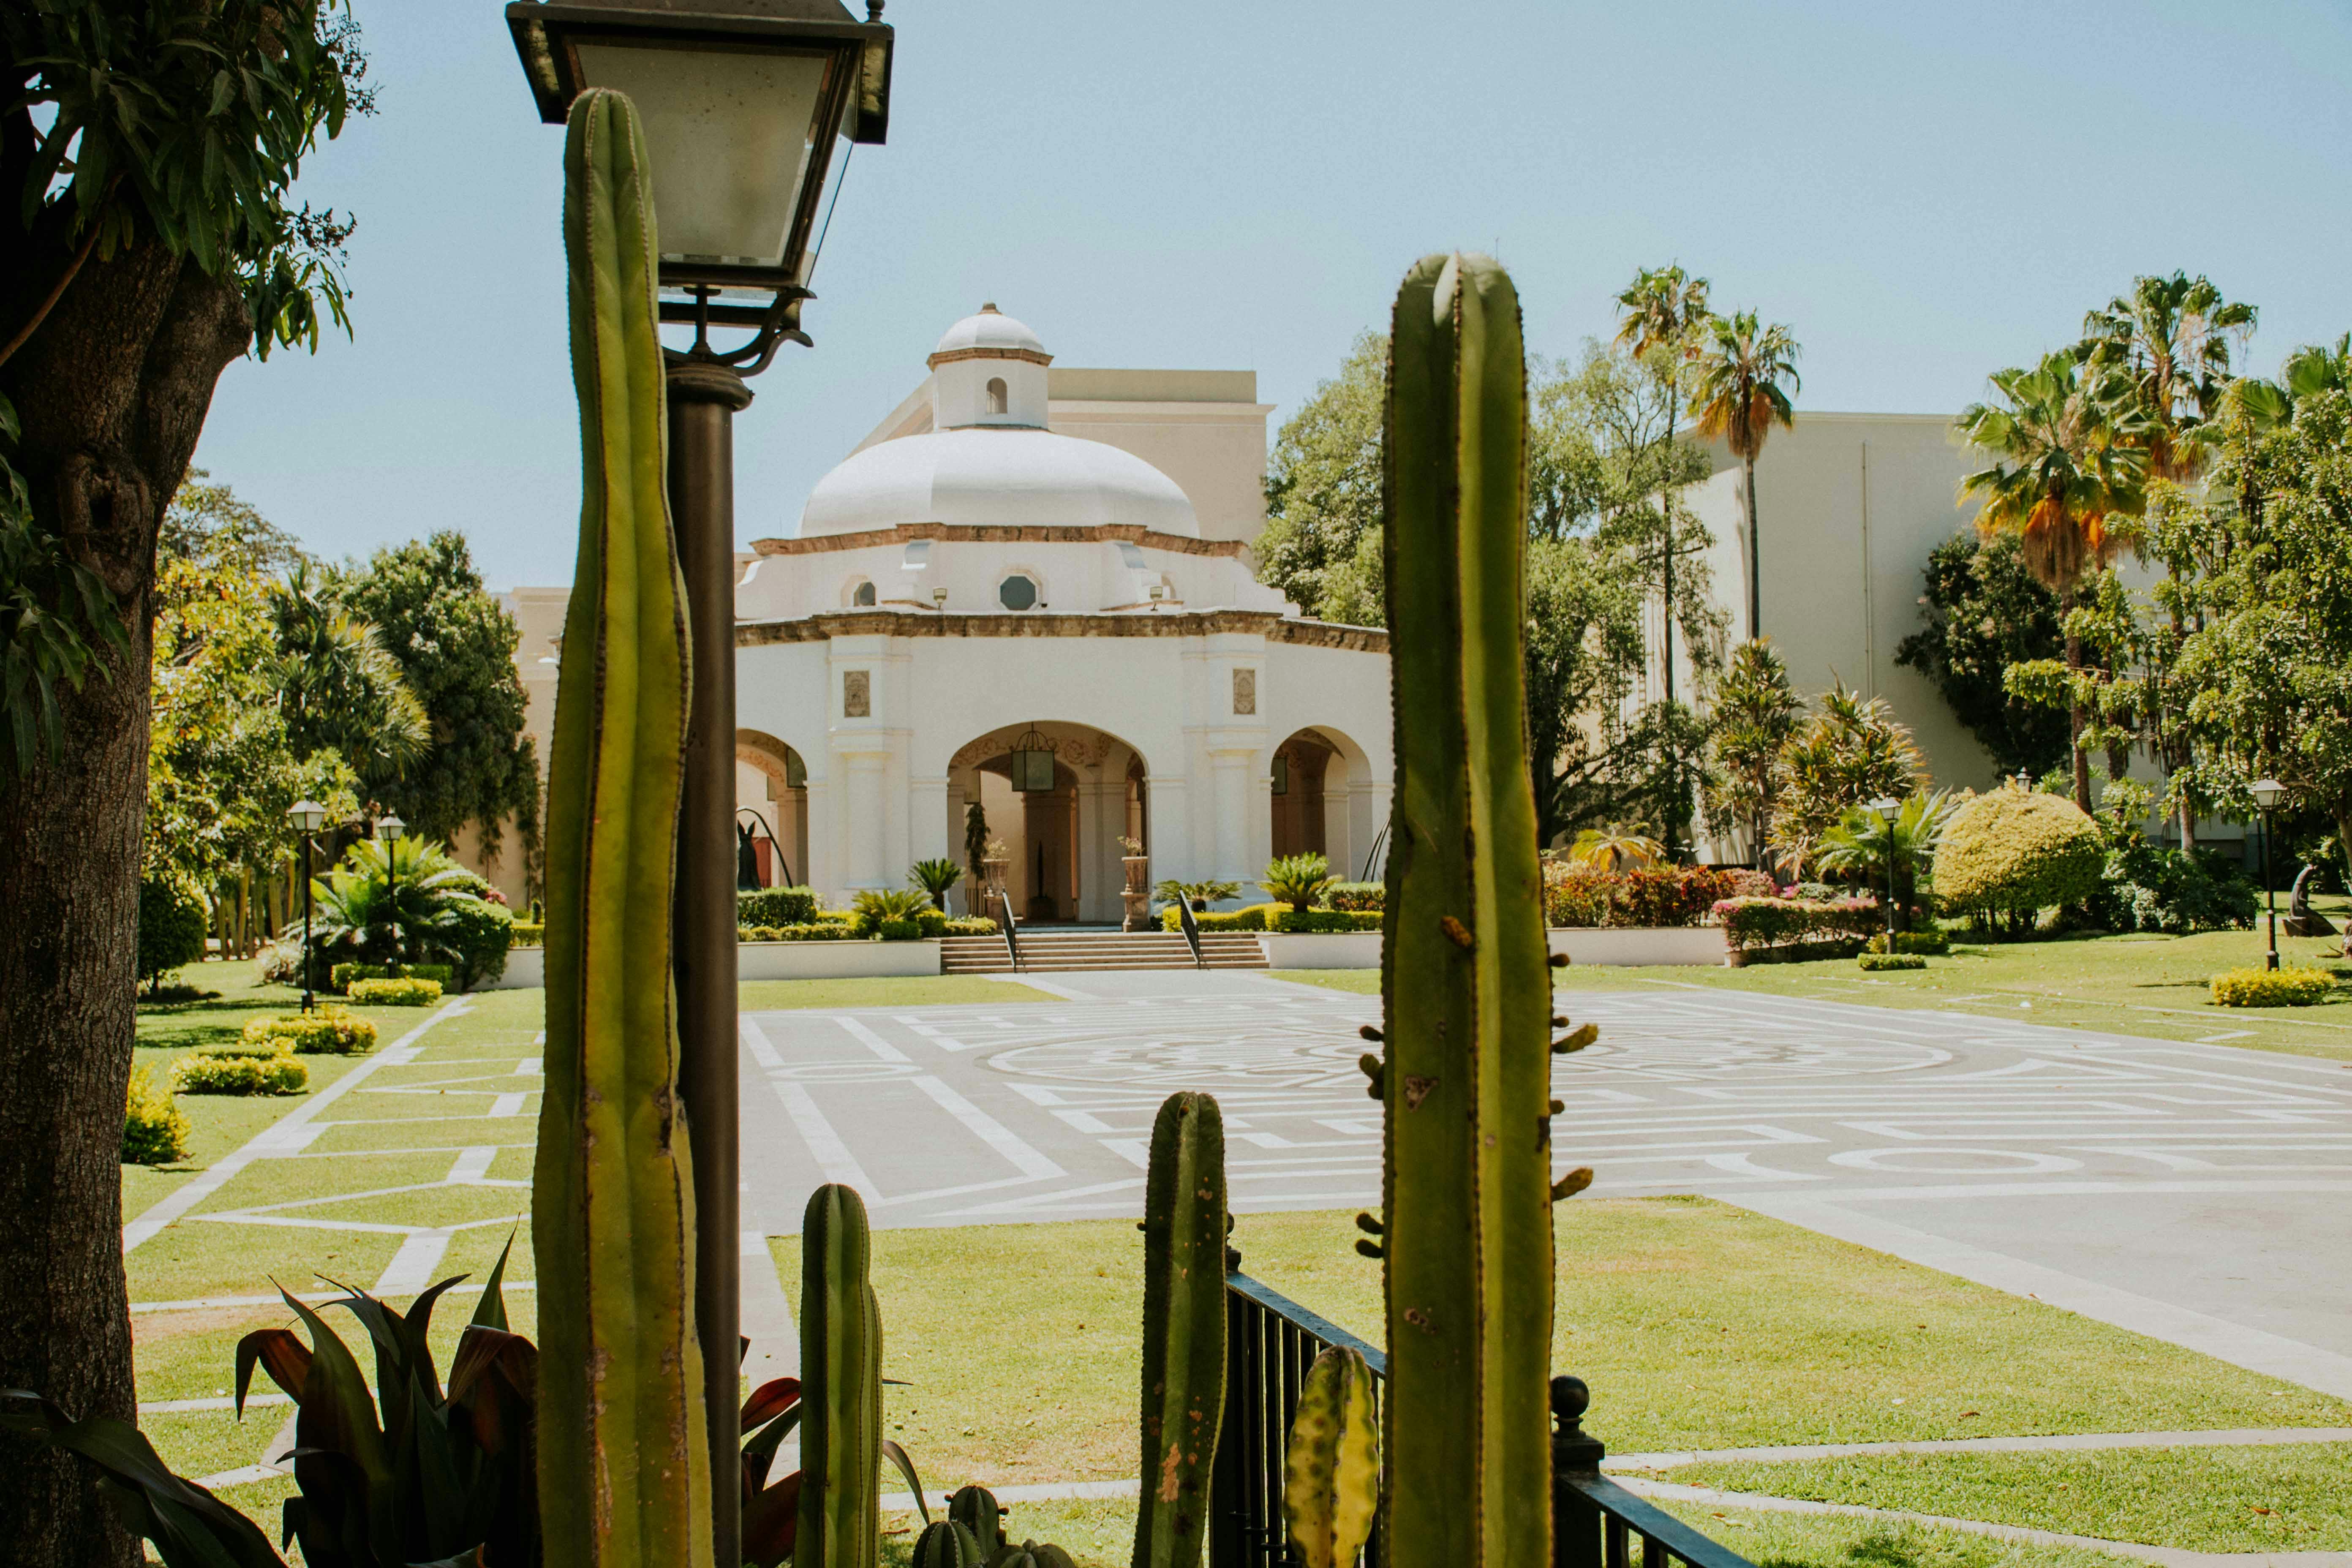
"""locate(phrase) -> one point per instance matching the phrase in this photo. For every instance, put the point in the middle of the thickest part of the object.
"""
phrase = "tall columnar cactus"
(1183, 1328)
(841, 1387)
(1465, 983)
(624, 1459)
(1331, 1467)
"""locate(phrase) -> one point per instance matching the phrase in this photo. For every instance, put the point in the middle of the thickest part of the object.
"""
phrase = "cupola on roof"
(988, 458)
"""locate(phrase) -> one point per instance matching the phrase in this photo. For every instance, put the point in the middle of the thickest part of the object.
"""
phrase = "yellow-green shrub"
(408, 993)
(154, 1128)
(2271, 988)
(330, 1031)
(229, 1070)
(529, 934)
(1249, 917)
(2013, 852)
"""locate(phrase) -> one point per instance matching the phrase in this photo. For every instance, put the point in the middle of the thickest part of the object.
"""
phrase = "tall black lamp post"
(743, 102)
(391, 829)
(307, 816)
(2267, 793)
(1886, 808)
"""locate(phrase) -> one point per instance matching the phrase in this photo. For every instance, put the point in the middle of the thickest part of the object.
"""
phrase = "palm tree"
(1738, 399)
(339, 686)
(2070, 451)
(1862, 842)
(2170, 339)
(1615, 848)
(1662, 312)
(2318, 367)
(1755, 711)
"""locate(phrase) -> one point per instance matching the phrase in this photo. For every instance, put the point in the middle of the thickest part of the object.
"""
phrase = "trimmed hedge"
(816, 931)
(2008, 855)
(1583, 896)
(330, 1031)
(1753, 925)
(477, 934)
(777, 907)
(1935, 942)
(411, 992)
(154, 1128)
(1358, 896)
(1312, 921)
(2271, 988)
(1876, 961)
(969, 925)
(229, 1070)
(529, 934)
(343, 975)
(1249, 917)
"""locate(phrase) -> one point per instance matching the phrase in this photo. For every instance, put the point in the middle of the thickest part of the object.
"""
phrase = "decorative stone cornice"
(1004, 534)
(950, 356)
(1191, 624)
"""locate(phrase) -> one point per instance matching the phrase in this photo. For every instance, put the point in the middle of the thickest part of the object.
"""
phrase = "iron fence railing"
(1271, 1340)
(1191, 930)
(1008, 926)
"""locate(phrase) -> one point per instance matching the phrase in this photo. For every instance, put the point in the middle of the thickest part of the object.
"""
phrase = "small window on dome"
(997, 395)
(1017, 593)
(863, 594)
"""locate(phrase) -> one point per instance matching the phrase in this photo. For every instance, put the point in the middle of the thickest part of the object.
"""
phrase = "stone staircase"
(1047, 948)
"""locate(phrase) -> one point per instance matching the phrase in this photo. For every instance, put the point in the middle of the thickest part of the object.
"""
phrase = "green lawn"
(2143, 985)
(1816, 1540)
(2201, 1500)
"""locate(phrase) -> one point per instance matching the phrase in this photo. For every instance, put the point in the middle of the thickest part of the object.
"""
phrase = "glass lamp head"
(306, 816)
(390, 828)
(2268, 793)
(1886, 807)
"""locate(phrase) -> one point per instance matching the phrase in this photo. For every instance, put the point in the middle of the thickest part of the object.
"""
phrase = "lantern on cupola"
(1033, 761)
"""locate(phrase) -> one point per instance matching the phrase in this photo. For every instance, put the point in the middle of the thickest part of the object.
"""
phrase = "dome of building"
(990, 334)
(1006, 476)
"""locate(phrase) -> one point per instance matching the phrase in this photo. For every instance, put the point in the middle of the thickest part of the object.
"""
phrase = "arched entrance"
(772, 780)
(1320, 783)
(1061, 835)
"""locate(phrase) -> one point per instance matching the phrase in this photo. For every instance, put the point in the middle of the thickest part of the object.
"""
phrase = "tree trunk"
(1755, 566)
(111, 392)
(2077, 717)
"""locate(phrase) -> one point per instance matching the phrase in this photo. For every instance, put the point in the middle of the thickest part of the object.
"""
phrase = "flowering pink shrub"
(1749, 924)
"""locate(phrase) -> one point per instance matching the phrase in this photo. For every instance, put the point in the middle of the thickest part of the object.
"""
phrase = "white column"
(927, 822)
(1230, 772)
(1169, 817)
(864, 816)
(1102, 817)
(821, 868)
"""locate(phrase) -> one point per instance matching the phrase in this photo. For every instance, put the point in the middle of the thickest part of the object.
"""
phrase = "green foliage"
(2143, 887)
(841, 1372)
(1850, 751)
(776, 907)
(475, 933)
(2168, 343)
(936, 878)
(1249, 917)
(191, 1528)
(328, 1031)
(812, 930)
(404, 992)
(1355, 895)
(154, 1128)
(1297, 880)
(1185, 1221)
(456, 647)
(340, 976)
(529, 934)
(1933, 942)
(1312, 921)
(1864, 846)
(976, 1508)
(1754, 925)
(2288, 987)
(879, 908)
(1984, 614)
(341, 686)
(625, 1470)
(1323, 493)
(1210, 892)
(1331, 1465)
(388, 901)
(948, 1544)
(236, 1069)
(1874, 962)
(2006, 855)
(173, 921)
(1755, 713)
(1584, 894)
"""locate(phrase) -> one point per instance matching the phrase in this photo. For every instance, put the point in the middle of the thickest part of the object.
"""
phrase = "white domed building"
(1029, 589)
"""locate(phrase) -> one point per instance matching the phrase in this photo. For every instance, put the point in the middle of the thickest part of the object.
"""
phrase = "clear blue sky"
(1923, 193)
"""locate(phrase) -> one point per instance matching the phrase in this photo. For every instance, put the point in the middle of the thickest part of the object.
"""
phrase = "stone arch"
(1063, 844)
(781, 801)
(1319, 787)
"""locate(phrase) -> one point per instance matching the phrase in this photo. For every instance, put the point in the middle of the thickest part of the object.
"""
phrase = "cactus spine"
(624, 1459)
(1331, 1469)
(1184, 1225)
(1465, 983)
(841, 1387)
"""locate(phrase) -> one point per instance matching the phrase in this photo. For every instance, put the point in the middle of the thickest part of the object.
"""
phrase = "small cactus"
(977, 1510)
(1032, 1555)
(1184, 1226)
(1332, 1470)
(841, 1388)
(945, 1543)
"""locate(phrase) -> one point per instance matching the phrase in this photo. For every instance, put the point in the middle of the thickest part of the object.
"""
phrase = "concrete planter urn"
(994, 897)
(1137, 895)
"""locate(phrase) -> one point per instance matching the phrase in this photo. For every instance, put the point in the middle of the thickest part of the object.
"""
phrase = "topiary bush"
(776, 907)
(1935, 942)
(816, 931)
(404, 992)
(154, 1128)
(1877, 961)
(2143, 888)
(1750, 884)
(1321, 921)
(1800, 926)
(173, 920)
(1358, 896)
(529, 934)
(2007, 856)
(1249, 917)
(330, 1031)
(230, 1069)
(342, 976)
(2271, 988)
(475, 933)
(969, 925)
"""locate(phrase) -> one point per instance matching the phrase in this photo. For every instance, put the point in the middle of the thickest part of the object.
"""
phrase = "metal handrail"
(1012, 941)
(1191, 930)
(1376, 854)
(1272, 1339)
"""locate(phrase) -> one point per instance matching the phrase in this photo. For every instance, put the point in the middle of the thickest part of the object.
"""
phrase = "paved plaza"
(2192, 1191)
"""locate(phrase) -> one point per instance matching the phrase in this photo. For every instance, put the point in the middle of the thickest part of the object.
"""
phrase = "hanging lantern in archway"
(1282, 772)
(1033, 761)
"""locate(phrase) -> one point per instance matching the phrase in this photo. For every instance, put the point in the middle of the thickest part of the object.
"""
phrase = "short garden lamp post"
(308, 816)
(743, 103)
(390, 828)
(1886, 808)
(2267, 793)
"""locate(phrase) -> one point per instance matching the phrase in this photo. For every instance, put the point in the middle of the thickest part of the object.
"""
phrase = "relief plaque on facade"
(1246, 691)
(856, 694)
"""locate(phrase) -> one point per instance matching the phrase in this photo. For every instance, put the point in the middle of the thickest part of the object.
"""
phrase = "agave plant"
(1200, 895)
(1297, 880)
(878, 906)
(1860, 843)
(936, 878)
(389, 902)
(1615, 849)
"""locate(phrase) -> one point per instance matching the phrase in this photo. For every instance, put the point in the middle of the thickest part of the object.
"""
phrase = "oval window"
(1017, 593)
(865, 594)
